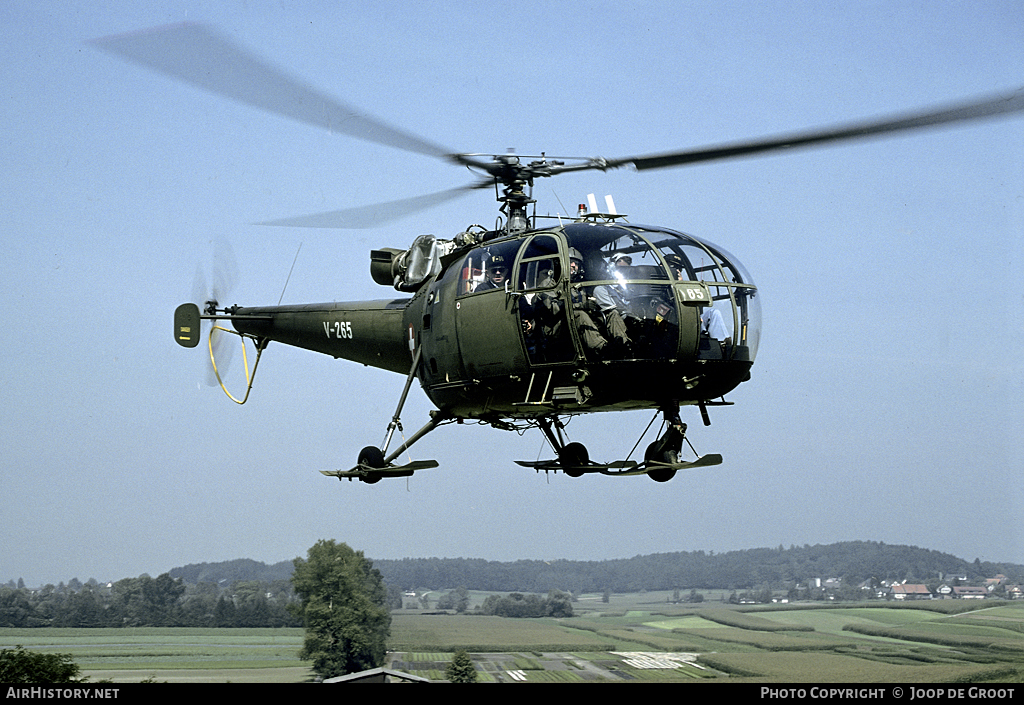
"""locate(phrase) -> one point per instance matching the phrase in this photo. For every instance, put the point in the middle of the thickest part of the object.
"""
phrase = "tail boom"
(372, 333)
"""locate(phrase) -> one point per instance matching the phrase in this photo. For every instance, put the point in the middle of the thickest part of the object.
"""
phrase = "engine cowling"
(406, 270)
(382, 265)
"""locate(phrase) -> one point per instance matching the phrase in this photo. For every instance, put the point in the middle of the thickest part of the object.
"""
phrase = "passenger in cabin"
(612, 302)
(582, 306)
(675, 263)
(712, 323)
(538, 323)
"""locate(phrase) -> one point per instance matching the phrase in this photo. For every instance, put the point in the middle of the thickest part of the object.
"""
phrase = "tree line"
(516, 604)
(247, 593)
(344, 603)
(780, 568)
(149, 602)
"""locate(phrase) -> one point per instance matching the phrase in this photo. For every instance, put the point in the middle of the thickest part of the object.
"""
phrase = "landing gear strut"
(573, 457)
(372, 464)
(667, 448)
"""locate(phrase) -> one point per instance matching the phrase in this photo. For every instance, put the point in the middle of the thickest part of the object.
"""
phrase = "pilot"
(582, 307)
(495, 275)
(621, 260)
(675, 263)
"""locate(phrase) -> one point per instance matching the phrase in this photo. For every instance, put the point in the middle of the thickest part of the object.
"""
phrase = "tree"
(457, 599)
(343, 604)
(461, 668)
(16, 610)
(20, 666)
(461, 599)
(82, 609)
(224, 613)
(143, 601)
(559, 604)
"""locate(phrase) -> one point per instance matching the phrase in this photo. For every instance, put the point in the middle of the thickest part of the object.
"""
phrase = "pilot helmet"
(575, 256)
(675, 262)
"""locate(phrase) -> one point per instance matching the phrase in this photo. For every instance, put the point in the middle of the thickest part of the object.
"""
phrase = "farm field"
(637, 638)
(173, 654)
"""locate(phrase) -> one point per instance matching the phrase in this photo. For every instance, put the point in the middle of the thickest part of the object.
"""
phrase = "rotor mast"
(510, 172)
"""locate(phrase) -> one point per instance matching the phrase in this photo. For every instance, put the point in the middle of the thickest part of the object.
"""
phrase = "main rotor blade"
(990, 107)
(196, 54)
(377, 214)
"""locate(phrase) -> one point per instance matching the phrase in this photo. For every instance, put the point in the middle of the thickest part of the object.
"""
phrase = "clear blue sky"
(886, 400)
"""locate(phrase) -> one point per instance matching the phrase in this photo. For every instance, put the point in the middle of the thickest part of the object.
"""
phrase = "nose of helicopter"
(660, 281)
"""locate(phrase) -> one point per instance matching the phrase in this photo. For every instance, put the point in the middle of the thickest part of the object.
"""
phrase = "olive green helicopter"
(531, 322)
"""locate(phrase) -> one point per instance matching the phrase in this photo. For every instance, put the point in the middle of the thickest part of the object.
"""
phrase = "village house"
(909, 591)
(967, 592)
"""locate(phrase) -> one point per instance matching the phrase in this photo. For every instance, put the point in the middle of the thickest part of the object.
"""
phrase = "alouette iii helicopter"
(529, 323)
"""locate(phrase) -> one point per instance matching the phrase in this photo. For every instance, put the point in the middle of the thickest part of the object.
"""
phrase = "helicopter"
(531, 322)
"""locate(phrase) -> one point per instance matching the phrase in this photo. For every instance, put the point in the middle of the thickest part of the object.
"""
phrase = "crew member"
(495, 275)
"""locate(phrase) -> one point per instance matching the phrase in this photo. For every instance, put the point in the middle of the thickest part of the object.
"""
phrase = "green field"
(637, 638)
(173, 654)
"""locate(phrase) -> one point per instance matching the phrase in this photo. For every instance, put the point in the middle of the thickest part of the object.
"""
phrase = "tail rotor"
(207, 294)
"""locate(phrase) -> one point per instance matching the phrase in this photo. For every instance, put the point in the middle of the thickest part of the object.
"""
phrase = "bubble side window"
(488, 268)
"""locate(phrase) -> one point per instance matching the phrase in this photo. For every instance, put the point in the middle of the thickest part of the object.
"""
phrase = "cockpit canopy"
(632, 258)
(650, 275)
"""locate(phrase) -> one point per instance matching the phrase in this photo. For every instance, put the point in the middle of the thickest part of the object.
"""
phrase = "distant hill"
(853, 561)
(230, 571)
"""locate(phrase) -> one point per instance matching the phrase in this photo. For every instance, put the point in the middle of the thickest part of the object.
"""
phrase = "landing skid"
(622, 468)
(653, 466)
(370, 474)
(616, 468)
(661, 460)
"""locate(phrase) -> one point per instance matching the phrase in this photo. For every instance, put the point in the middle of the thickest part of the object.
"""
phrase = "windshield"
(666, 286)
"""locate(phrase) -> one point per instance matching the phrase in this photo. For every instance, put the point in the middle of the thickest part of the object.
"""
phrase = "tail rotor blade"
(221, 354)
(225, 271)
(214, 290)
